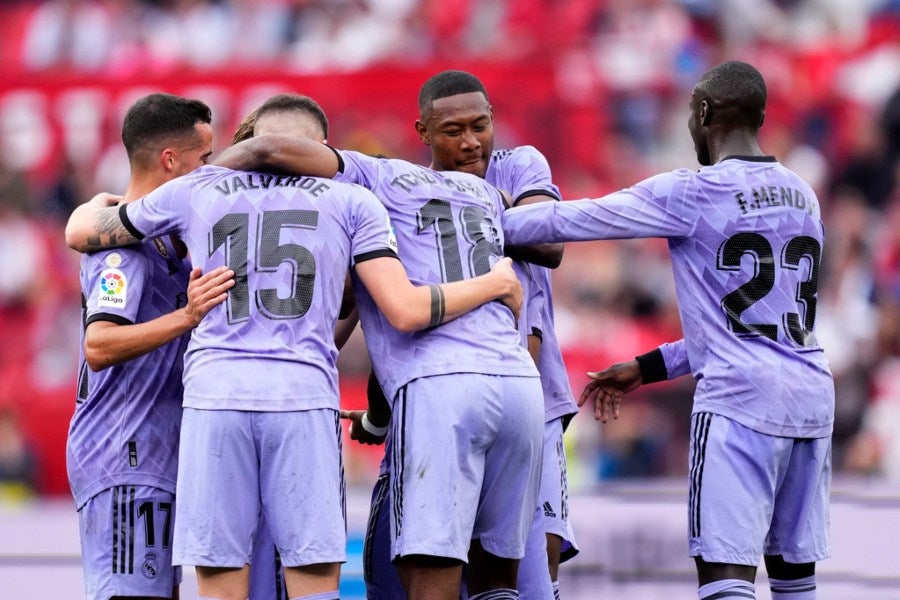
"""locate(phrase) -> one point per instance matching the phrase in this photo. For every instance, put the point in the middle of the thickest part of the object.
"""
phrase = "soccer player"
(745, 237)
(139, 306)
(260, 428)
(456, 122)
(473, 372)
(308, 120)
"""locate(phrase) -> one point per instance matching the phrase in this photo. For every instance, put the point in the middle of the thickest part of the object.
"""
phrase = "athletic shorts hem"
(311, 558)
(568, 552)
(195, 560)
(438, 552)
(501, 549)
(729, 559)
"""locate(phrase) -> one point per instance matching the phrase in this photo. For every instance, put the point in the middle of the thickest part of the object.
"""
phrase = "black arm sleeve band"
(384, 252)
(339, 157)
(653, 366)
(531, 193)
(118, 320)
(126, 222)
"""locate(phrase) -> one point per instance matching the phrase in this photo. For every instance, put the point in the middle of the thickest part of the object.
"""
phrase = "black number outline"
(728, 258)
(437, 214)
(232, 232)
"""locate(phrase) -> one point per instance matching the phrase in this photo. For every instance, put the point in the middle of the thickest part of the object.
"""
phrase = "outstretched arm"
(281, 154)
(107, 343)
(410, 308)
(607, 387)
(546, 255)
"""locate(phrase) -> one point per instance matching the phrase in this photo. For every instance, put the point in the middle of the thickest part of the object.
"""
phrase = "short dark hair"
(158, 119)
(295, 103)
(448, 83)
(737, 86)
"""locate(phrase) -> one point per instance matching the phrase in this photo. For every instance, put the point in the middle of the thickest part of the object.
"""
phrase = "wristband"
(372, 429)
(653, 366)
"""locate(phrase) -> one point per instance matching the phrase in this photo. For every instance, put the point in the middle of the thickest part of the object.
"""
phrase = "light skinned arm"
(409, 307)
(107, 344)
(96, 224)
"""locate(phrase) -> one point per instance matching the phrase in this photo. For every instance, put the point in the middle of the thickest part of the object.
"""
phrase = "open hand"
(207, 291)
(607, 387)
(515, 295)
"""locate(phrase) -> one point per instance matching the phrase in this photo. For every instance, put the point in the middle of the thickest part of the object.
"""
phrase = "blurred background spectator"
(601, 88)
(18, 466)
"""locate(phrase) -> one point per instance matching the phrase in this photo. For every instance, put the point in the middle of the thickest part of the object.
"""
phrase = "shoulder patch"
(113, 288)
(113, 259)
(392, 237)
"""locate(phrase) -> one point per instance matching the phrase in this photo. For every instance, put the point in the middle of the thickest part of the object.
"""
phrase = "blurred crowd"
(606, 101)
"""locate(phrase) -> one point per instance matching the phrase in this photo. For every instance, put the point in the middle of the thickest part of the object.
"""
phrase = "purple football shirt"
(524, 172)
(290, 241)
(448, 229)
(126, 421)
(745, 238)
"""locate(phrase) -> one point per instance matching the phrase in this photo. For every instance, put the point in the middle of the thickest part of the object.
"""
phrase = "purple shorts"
(126, 543)
(235, 465)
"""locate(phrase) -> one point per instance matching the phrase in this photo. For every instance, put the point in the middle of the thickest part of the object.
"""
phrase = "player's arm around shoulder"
(112, 342)
(96, 224)
(410, 308)
(286, 154)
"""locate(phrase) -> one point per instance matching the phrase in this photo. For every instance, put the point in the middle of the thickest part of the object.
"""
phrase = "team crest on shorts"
(150, 566)
(113, 288)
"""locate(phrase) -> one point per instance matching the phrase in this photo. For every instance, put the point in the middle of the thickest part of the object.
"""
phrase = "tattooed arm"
(96, 224)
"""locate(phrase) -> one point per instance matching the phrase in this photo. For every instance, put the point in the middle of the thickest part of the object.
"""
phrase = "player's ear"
(704, 113)
(423, 132)
(169, 159)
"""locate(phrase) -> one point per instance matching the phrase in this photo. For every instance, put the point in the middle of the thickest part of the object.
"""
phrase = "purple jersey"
(448, 229)
(524, 172)
(676, 358)
(126, 422)
(745, 238)
(289, 240)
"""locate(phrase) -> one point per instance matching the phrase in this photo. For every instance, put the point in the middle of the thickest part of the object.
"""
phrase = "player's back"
(753, 261)
(125, 425)
(448, 229)
(290, 241)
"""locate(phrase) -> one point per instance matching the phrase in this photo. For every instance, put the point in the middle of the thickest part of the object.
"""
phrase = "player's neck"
(140, 185)
(735, 144)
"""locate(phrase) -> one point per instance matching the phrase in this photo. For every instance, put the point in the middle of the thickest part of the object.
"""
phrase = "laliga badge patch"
(113, 288)
(392, 238)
